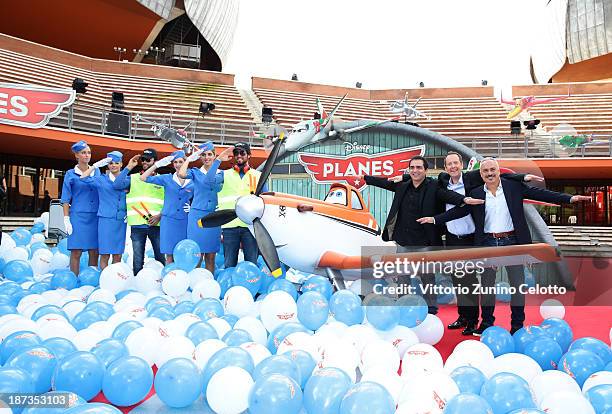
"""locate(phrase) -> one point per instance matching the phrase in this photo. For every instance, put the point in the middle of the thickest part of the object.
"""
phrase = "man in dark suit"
(419, 196)
(500, 221)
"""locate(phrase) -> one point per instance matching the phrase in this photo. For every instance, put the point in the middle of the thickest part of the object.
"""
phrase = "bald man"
(501, 221)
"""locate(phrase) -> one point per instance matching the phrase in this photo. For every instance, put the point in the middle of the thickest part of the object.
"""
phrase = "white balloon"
(116, 277)
(85, 291)
(37, 238)
(390, 380)
(73, 307)
(334, 327)
(430, 331)
(16, 325)
(151, 322)
(205, 350)
(381, 355)
(174, 347)
(221, 326)
(16, 253)
(340, 354)
(277, 308)
(361, 335)
(228, 390)
(41, 261)
(518, 364)
(300, 341)
(175, 283)
(148, 280)
(254, 327)
(57, 329)
(86, 339)
(7, 244)
(119, 317)
(561, 402)
(51, 317)
(483, 362)
(105, 328)
(595, 379)
(419, 358)
(206, 288)
(401, 337)
(102, 295)
(29, 300)
(197, 275)
(185, 320)
(257, 351)
(59, 261)
(153, 264)
(550, 381)
(431, 389)
(552, 308)
(473, 346)
(238, 301)
(54, 297)
(143, 342)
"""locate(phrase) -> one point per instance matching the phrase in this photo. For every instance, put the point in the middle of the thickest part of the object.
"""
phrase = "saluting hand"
(194, 156)
(226, 154)
(578, 198)
(133, 162)
(396, 179)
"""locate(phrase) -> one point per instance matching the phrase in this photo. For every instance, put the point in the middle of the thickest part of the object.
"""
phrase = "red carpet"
(594, 321)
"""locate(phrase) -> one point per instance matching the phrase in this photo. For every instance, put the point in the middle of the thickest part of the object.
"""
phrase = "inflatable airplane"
(409, 111)
(328, 237)
(521, 104)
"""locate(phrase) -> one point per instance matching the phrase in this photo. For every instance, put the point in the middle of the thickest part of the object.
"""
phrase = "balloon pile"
(242, 340)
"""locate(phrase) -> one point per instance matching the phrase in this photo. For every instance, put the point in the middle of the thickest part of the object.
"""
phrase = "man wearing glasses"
(238, 181)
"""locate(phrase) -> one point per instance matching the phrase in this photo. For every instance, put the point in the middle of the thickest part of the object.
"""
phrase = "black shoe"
(470, 328)
(458, 324)
(481, 329)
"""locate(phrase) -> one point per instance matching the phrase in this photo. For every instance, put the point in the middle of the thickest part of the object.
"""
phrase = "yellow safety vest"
(143, 195)
(235, 187)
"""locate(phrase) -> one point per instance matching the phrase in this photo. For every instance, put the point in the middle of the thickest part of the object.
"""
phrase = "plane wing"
(333, 112)
(369, 125)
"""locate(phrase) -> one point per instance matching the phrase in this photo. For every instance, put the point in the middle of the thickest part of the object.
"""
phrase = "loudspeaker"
(266, 114)
(515, 127)
(117, 100)
(118, 123)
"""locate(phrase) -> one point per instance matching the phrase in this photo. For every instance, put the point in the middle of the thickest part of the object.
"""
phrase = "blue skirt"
(111, 235)
(84, 231)
(209, 240)
(172, 231)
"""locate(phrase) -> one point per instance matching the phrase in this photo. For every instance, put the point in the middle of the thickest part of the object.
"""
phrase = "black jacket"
(434, 200)
(514, 192)
(473, 179)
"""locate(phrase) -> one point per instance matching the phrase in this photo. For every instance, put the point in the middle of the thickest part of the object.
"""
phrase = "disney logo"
(354, 146)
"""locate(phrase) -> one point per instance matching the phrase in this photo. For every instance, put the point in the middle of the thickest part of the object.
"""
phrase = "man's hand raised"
(578, 198)
(473, 201)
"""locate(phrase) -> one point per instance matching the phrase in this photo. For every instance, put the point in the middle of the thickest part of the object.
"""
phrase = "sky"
(385, 43)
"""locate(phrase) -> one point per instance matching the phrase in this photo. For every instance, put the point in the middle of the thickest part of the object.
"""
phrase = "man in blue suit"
(501, 221)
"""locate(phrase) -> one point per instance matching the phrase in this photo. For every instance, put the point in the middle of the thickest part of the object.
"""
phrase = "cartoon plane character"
(522, 104)
(409, 111)
(327, 237)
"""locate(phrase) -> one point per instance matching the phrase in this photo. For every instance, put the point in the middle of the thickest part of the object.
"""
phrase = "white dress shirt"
(497, 215)
(464, 225)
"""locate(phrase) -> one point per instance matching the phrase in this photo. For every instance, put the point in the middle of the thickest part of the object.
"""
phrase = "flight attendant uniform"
(206, 186)
(83, 199)
(112, 210)
(174, 218)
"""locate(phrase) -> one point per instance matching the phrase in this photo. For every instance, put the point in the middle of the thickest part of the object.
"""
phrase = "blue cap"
(178, 154)
(115, 156)
(79, 146)
(207, 146)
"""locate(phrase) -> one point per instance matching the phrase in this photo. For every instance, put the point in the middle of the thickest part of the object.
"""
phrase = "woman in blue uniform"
(177, 197)
(207, 181)
(112, 208)
(80, 202)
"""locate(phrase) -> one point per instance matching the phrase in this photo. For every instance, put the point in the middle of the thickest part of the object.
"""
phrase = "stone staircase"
(8, 224)
(583, 241)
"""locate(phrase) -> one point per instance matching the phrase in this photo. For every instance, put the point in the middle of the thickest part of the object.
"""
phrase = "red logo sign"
(32, 106)
(324, 168)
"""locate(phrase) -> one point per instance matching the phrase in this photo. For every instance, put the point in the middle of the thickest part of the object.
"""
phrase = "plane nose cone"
(249, 207)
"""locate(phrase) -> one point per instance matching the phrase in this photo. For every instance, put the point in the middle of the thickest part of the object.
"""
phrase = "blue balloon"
(277, 364)
(17, 341)
(502, 290)
(506, 392)
(320, 284)
(231, 319)
(63, 279)
(600, 397)
(413, 310)
(285, 285)
(89, 276)
(84, 260)
(224, 278)
(18, 271)
(39, 287)
(266, 279)
(382, 313)
(498, 340)
(37, 227)
(7, 309)
(609, 366)
(168, 268)
(46, 310)
(105, 310)
(468, 379)
(183, 307)
(165, 313)
(345, 306)
(526, 335)
(85, 318)
(219, 260)
(127, 381)
(560, 331)
(324, 391)
(208, 308)
(2, 264)
(178, 383)
(305, 363)
(21, 236)
(156, 301)
(231, 356)
(236, 337)
(93, 408)
(73, 401)
(124, 293)
(275, 394)
(109, 350)
(122, 330)
(247, 274)
(15, 380)
(580, 364)
(467, 403)
(600, 348)
(61, 347)
(186, 255)
(38, 246)
(201, 331)
(367, 397)
(80, 373)
(39, 362)
(17, 296)
(62, 246)
(278, 334)
(545, 351)
(9, 287)
(312, 310)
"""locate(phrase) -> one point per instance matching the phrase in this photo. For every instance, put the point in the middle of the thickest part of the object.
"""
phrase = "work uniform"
(174, 218)
(83, 199)
(206, 185)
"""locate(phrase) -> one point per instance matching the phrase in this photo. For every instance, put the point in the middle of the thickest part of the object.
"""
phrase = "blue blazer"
(112, 201)
(206, 186)
(175, 196)
(80, 194)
